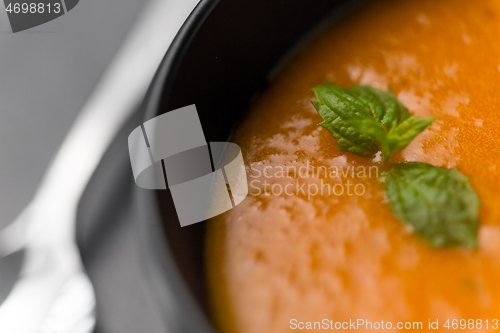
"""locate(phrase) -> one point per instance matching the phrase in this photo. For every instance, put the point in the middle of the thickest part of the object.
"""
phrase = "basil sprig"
(439, 204)
(364, 120)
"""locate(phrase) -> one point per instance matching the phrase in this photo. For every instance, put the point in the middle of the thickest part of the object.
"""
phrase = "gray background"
(46, 75)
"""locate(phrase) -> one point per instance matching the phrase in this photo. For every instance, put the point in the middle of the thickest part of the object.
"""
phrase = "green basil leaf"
(335, 106)
(364, 120)
(400, 136)
(384, 105)
(437, 203)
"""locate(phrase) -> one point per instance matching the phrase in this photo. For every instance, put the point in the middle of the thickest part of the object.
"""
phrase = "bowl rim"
(177, 306)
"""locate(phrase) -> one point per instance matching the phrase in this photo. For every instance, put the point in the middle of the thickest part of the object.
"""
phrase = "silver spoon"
(53, 293)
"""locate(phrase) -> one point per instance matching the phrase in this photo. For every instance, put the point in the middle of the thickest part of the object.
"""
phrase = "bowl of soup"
(292, 255)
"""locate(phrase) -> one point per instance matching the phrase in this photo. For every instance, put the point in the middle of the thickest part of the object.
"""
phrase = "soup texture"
(316, 239)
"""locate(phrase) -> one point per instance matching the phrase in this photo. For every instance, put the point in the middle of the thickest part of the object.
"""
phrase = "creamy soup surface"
(344, 256)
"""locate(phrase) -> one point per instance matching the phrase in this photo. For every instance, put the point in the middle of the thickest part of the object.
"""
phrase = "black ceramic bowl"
(224, 55)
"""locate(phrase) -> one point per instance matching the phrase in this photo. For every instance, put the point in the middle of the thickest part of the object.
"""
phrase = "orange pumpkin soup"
(295, 254)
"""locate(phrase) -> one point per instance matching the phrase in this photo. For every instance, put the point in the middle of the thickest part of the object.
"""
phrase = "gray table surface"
(46, 75)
